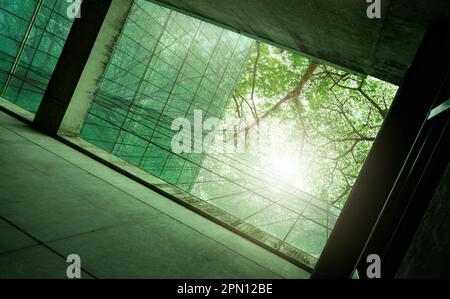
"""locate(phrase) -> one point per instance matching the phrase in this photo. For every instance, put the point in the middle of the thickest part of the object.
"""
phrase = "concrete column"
(69, 95)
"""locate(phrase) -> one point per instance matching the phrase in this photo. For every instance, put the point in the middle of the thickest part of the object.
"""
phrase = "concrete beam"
(69, 95)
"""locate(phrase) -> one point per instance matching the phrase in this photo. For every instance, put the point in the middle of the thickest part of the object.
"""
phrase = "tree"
(334, 115)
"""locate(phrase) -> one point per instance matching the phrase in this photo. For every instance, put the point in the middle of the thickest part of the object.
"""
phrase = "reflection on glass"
(33, 33)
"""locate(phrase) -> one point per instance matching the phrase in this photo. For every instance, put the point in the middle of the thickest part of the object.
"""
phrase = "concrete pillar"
(69, 95)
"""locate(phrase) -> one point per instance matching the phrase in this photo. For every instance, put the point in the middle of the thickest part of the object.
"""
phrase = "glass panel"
(33, 36)
(164, 66)
(170, 74)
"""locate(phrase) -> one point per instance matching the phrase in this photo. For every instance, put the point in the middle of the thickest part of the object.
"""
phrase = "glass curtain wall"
(168, 68)
(164, 66)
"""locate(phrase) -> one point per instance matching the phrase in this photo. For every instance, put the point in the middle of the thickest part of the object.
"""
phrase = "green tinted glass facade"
(33, 34)
(165, 66)
(246, 187)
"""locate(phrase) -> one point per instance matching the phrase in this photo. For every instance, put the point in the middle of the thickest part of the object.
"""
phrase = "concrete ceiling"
(337, 32)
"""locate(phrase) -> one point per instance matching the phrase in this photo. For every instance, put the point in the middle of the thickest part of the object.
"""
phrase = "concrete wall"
(337, 32)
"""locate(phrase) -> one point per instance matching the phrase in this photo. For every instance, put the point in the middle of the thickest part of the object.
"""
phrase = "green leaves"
(339, 113)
